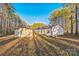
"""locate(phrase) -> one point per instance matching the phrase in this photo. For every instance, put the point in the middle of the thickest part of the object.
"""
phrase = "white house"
(47, 31)
(44, 30)
(51, 31)
(57, 30)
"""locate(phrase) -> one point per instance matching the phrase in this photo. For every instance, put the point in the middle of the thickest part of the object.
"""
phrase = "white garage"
(23, 32)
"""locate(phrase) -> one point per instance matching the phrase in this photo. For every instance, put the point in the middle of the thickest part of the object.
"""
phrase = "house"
(51, 31)
(44, 30)
(57, 30)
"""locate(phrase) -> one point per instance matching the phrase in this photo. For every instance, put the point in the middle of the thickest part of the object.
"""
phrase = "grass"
(44, 48)
(43, 45)
(65, 46)
(54, 46)
(16, 45)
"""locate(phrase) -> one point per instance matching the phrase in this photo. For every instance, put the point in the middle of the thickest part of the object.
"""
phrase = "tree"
(38, 25)
(9, 20)
(61, 17)
(10, 10)
(74, 7)
(76, 32)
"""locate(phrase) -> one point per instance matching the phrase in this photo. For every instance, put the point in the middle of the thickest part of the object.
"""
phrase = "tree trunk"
(76, 32)
(1, 27)
(71, 24)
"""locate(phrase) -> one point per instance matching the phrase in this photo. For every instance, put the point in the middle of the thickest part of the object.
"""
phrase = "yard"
(40, 45)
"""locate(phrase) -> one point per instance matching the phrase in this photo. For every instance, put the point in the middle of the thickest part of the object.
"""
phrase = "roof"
(44, 27)
(48, 27)
(58, 25)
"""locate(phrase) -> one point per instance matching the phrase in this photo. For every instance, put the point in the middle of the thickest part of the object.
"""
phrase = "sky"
(36, 12)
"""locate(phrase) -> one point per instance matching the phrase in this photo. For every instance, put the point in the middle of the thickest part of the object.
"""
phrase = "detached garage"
(23, 32)
(20, 32)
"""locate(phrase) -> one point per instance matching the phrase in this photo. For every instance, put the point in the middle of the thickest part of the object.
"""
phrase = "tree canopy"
(37, 25)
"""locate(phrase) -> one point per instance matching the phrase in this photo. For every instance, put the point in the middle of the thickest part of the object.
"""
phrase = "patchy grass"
(66, 47)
